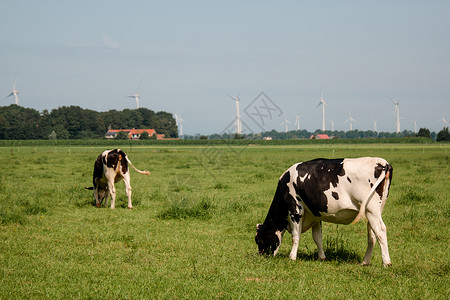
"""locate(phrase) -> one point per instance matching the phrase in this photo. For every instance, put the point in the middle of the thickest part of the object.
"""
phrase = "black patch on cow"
(116, 157)
(388, 168)
(371, 185)
(349, 179)
(276, 219)
(98, 169)
(335, 195)
(378, 170)
(295, 218)
(321, 173)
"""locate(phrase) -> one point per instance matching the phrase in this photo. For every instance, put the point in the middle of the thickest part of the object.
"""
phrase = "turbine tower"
(297, 122)
(375, 126)
(179, 122)
(397, 113)
(136, 96)
(350, 120)
(323, 103)
(238, 116)
(15, 93)
(285, 122)
(415, 126)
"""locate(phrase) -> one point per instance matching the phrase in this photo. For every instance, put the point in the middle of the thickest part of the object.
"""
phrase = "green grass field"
(191, 232)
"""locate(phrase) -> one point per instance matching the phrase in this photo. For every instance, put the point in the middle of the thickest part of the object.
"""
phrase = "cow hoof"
(98, 205)
(130, 207)
(322, 259)
(365, 264)
(387, 265)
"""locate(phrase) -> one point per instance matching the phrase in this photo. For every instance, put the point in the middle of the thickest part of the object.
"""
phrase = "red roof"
(322, 137)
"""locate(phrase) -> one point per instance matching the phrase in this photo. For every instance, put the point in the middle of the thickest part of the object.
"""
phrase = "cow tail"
(145, 172)
(362, 210)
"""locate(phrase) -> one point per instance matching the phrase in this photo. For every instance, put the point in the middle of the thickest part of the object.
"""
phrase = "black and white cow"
(110, 167)
(331, 190)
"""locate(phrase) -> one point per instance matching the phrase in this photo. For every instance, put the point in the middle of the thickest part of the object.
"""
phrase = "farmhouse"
(133, 134)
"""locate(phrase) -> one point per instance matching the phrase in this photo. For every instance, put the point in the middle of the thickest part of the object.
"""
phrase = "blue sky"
(190, 55)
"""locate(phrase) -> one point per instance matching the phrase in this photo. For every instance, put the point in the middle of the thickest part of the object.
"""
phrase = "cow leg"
(317, 237)
(380, 232)
(97, 198)
(371, 240)
(112, 192)
(296, 229)
(106, 198)
(126, 181)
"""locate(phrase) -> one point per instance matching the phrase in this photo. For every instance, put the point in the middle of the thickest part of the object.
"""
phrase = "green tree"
(52, 136)
(122, 135)
(144, 136)
(443, 135)
(424, 132)
(19, 123)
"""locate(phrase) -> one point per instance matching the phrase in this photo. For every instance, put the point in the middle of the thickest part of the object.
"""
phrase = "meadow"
(191, 232)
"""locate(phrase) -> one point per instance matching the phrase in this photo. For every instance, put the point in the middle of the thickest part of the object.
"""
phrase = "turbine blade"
(139, 86)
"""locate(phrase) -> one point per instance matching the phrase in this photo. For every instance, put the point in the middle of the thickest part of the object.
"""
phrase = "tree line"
(74, 122)
(442, 135)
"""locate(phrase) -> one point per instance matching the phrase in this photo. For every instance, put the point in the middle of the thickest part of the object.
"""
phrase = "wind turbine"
(397, 113)
(332, 125)
(15, 93)
(323, 103)
(297, 122)
(375, 126)
(238, 116)
(136, 96)
(285, 122)
(179, 122)
(444, 121)
(350, 120)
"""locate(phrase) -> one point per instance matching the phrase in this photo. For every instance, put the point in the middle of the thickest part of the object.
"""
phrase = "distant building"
(133, 134)
(320, 137)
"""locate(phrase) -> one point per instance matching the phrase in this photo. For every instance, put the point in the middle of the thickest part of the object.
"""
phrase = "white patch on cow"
(279, 234)
(294, 174)
(302, 179)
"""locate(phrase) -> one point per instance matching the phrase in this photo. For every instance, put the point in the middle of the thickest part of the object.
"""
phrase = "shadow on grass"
(336, 255)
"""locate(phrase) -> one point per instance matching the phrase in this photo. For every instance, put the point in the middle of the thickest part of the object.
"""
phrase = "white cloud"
(108, 42)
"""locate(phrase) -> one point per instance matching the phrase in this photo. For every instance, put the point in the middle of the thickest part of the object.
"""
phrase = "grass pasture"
(191, 232)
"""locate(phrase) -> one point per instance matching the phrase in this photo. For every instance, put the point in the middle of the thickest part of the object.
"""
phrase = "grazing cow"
(331, 190)
(110, 167)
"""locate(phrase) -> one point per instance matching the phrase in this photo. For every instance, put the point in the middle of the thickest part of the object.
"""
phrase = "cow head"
(99, 195)
(267, 240)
